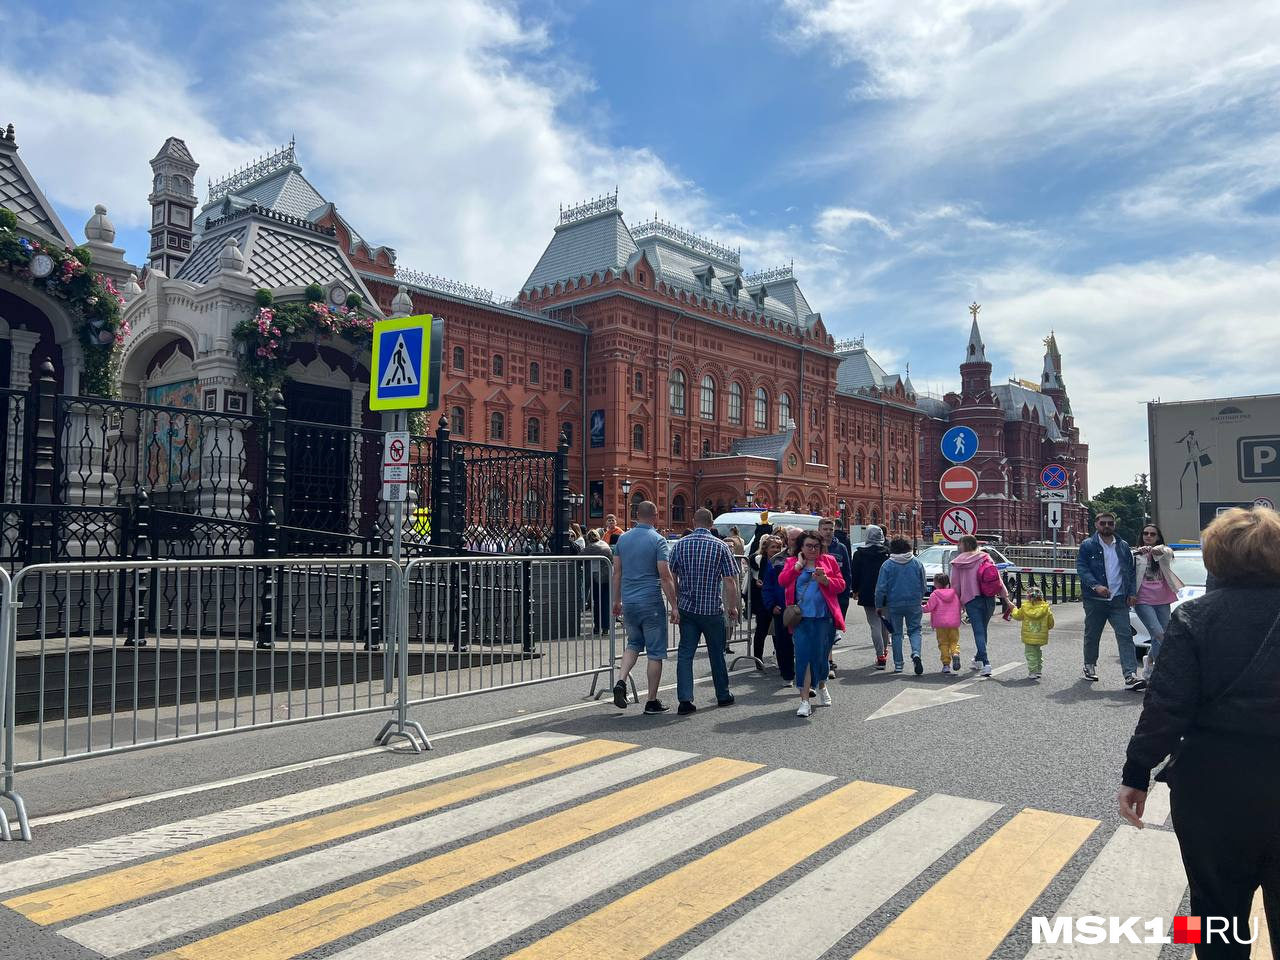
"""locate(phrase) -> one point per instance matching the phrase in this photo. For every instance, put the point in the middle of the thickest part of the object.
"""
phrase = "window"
(637, 437)
(458, 421)
(844, 469)
(762, 409)
(860, 517)
(813, 418)
(639, 383)
(893, 473)
(676, 392)
(568, 378)
(706, 448)
(459, 359)
(735, 404)
(567, 429)
(875, 472)
(637, 498)
(707, 403)
(535, 372)
(532, 505)
(815, 455)
(784, 411)
(497, 426)
(497, 365)
(678, 507)
(533, 431)
(677, 445)
(906, 476)
(857, 471)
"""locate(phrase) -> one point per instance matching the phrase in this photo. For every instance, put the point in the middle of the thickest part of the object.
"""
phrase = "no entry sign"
(958, 484)
(958, 522)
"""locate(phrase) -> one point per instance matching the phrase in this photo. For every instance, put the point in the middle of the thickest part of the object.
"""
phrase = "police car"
(1188, 564)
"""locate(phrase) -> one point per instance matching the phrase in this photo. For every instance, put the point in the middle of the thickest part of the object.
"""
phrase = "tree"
(1127, 504)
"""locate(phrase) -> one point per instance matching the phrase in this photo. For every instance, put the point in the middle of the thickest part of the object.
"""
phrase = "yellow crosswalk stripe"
(966, 914)
(654, 915)
(321, 921)
(90, 895)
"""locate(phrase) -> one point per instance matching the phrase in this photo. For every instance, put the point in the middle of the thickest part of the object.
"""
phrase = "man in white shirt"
(1105, 567)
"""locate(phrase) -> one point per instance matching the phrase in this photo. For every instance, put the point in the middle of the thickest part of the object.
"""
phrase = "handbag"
(1204, 460)
(792, 615)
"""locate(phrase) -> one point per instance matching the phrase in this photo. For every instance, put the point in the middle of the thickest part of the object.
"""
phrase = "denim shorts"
(646, 628)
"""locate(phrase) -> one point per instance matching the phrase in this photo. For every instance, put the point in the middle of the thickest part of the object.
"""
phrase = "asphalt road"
(1053, 745)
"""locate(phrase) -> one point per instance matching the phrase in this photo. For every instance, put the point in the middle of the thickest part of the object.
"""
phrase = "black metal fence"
(86, 478)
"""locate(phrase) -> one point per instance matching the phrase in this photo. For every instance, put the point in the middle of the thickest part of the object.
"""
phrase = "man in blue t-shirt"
(640, 578)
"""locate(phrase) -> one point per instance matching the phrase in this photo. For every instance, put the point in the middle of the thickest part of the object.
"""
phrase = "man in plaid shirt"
(706, 587)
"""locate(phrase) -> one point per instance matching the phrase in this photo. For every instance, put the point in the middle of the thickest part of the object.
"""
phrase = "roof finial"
(974, 308)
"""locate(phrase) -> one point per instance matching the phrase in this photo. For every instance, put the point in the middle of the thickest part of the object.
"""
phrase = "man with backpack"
(975, 577)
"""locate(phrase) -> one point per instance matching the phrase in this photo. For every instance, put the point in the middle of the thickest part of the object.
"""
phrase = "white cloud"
(834, 221)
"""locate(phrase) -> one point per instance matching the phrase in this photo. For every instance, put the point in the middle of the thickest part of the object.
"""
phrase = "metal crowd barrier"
(1058, 584)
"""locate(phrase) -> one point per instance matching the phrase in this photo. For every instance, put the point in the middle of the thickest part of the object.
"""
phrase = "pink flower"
(262, 351)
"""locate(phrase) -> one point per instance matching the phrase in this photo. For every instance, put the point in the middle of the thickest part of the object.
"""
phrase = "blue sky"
(1108, 171)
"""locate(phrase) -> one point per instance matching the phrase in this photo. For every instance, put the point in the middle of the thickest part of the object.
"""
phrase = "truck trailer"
(1210, 455)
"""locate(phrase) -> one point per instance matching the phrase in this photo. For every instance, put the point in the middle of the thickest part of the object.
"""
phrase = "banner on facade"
(597, 429)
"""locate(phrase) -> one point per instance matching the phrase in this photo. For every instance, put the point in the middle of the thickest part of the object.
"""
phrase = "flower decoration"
(95, 305)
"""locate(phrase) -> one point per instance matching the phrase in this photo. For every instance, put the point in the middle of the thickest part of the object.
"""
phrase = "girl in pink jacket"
(943, 606)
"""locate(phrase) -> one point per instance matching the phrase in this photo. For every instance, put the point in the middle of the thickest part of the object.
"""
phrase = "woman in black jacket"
(865, 569)
(1214, 704)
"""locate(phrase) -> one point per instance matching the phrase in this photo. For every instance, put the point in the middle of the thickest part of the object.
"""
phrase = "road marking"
(90, 895)
(193, 909)
(919, 698)
(114, 851)
(649, 918)
(1137, 874)
(850, 887)
(1157, 809)
(477, 923)
(309, 925)
(966, 914)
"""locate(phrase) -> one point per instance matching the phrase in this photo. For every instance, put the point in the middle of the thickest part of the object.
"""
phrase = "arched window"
(762, 409)
(637, 498)
(497, 426)
(498, 366)
(784, 411)
(535, 372)
(893, 473)
(860, 517)
(735, 404)
(906, 475)
(678, 507)
(707, 403)
(676, 392)
(844, 469)
(458, 421)
(566, 428)
(639, 382)
(533, 431)
(677, 445)
(637, 437)
(568, 378)
(857, 470)
(459, 359)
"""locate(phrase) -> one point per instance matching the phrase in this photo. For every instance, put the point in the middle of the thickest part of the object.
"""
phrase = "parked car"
(937, 559)
(1188, 564)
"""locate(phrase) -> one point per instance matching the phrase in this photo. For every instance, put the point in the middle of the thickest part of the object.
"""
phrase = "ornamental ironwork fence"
(91, 479)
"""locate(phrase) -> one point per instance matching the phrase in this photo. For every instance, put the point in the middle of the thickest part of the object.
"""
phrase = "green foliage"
(83, 254)
(353, 300)
(264, 297)
(314, 293)
(1127, 503)
(8, 219)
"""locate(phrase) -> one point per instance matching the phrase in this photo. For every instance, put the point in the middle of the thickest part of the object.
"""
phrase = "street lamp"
(751, 498)
(577, 500)
(914, 512)
(626, 498)
(841, 506)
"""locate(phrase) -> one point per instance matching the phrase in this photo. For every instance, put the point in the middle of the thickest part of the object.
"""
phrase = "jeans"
(1155, 617)
(879, 635)
(980, 610)
(910, 617)
(1099, 612)
(694, 627)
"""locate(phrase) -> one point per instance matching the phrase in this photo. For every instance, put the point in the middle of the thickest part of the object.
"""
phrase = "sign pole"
(398, 512)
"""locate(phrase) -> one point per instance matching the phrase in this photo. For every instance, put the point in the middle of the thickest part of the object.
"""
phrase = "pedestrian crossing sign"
(401, 372)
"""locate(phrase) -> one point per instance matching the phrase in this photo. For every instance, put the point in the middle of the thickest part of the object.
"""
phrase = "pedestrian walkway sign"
(404, 374)
(959, 444)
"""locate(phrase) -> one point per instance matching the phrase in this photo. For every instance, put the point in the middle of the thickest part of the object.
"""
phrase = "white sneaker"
(946, 668)
(1147, 667)
(985, 671)
(804, 710)
(824, 697)
(1033, 676)
(976, 665)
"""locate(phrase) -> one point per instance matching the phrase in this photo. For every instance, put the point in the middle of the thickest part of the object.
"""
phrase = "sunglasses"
(1105, 523)
(1150, 533)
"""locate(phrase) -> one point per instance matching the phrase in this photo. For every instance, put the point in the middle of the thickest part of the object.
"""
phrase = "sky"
(1106, 171)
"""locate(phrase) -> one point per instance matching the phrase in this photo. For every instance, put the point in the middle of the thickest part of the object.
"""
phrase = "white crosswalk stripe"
(115, 851)
(489, 917)
(833, 899)
(189, 911)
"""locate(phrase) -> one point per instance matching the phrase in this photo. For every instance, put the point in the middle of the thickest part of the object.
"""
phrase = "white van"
(747, 520)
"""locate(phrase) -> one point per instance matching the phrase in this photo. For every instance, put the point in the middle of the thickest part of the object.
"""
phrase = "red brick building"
(1022, 427)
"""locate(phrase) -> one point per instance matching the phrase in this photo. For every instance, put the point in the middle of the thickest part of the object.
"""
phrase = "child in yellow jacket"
(1037, 621)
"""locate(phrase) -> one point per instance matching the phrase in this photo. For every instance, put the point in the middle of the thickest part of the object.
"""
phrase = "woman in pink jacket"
(812, 579)
(977, 581)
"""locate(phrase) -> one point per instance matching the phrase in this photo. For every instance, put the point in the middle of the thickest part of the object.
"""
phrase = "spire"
(1051, 377)
(976, 352)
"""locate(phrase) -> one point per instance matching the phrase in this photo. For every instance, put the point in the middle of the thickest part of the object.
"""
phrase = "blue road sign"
(959, 444)
(1054, 476)
(401, 370)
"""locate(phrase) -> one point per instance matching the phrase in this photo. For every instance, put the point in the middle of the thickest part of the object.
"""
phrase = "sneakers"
(1091, 672)
(946, 668)
(976, 665)
(1033, 676)
(897, 668)
(1134, 682)
(655, 706)
(686, 707)
(915, 662)
(881, 660)
(985, 671)
(726, 702)
(804, 710)
(788, 683)
(620, 696)
(831, 670)
(824, 697)
(955, 663)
